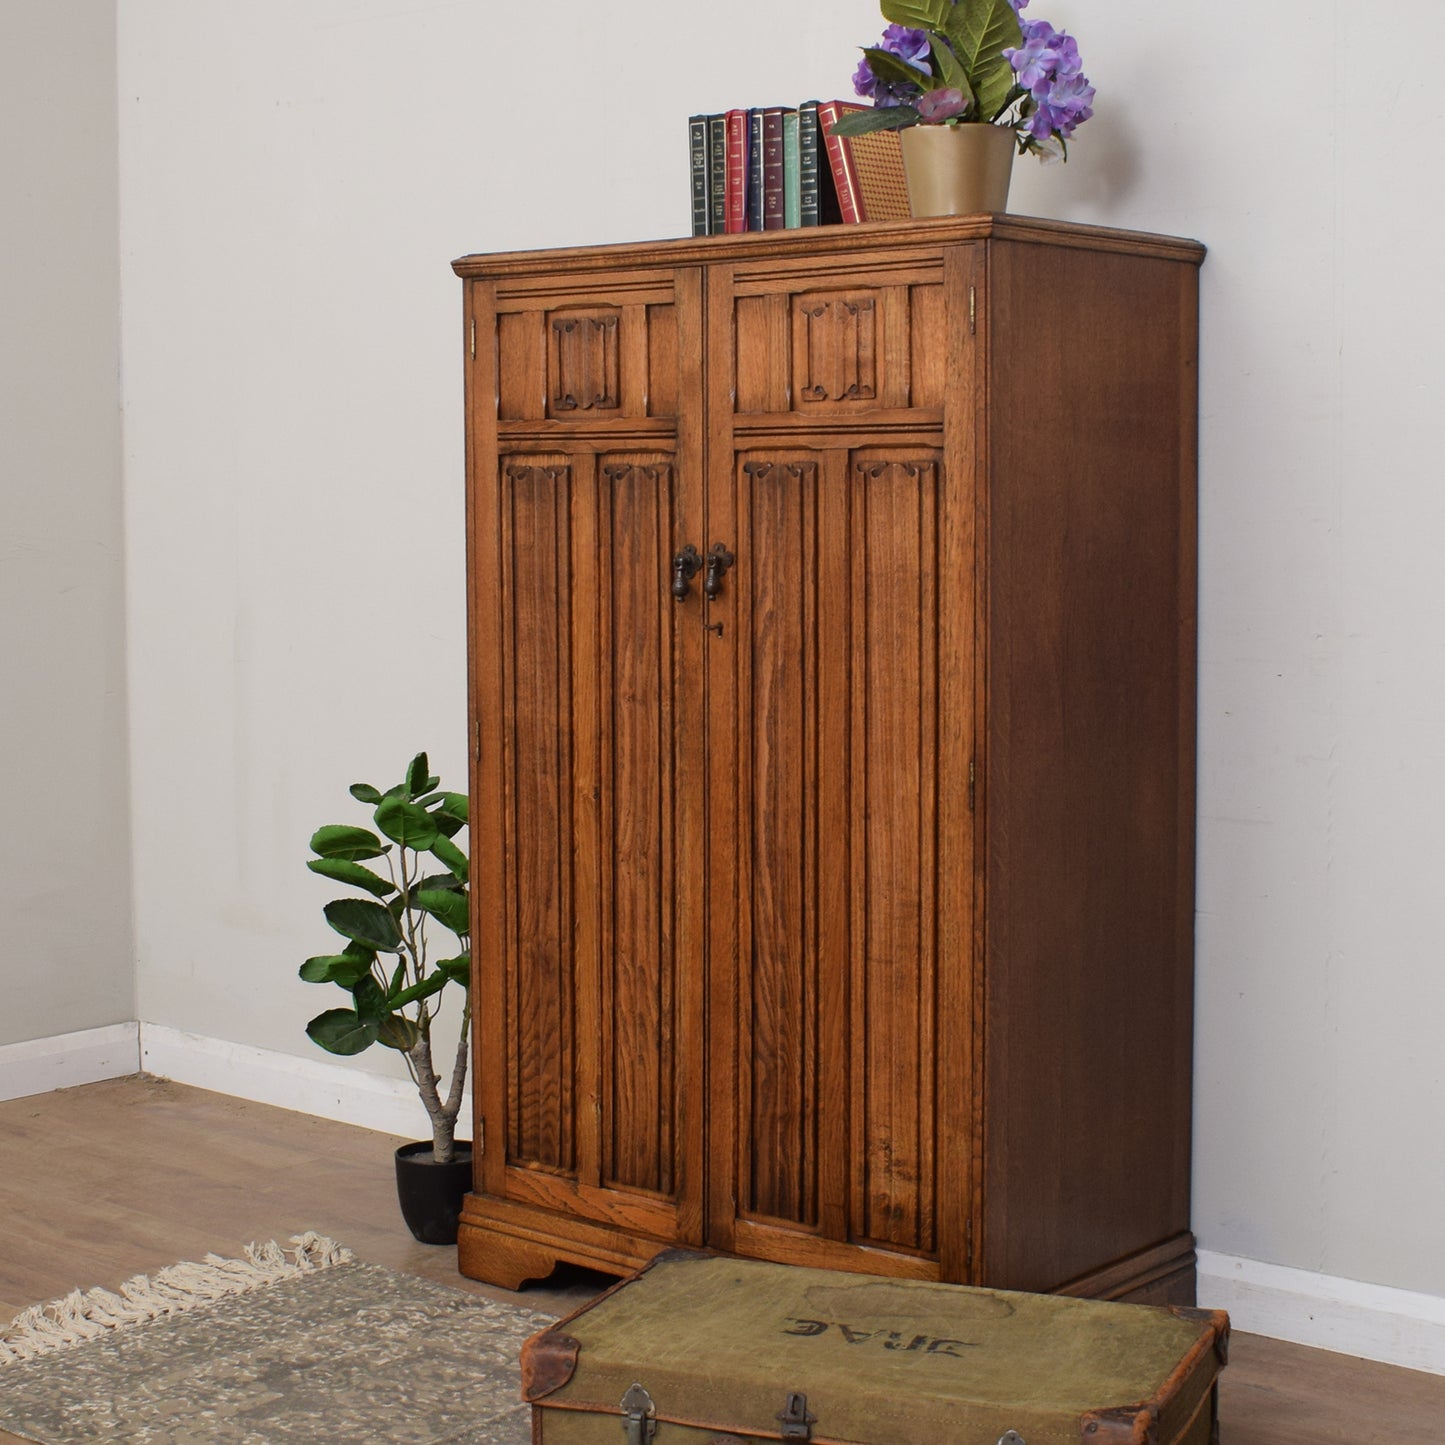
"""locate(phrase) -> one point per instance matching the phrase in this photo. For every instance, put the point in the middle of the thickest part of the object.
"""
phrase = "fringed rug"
(305, 1345)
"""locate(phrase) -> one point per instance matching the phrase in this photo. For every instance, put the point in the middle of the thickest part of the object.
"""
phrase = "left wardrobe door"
(585, 483)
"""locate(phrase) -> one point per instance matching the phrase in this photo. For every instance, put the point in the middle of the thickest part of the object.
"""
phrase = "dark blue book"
(755, 169)
(809, 149)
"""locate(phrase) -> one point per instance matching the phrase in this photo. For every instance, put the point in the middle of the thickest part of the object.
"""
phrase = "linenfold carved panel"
(896, 689)
(835, 346)
(536, 501)
(583, 368)
(778, 831)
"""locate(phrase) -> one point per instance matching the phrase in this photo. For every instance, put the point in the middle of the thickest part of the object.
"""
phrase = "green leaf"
(432, 983)
(370, 1000)
(447, 852)
(882, 117)
(458, 970)
(398, 1032)
(341, 968)
(918, 14)
(343, 870)
(450, 907)
(398, 978)
(365, 793)
(979, 32)
(337, 841)
(405, 823)
(952, 73)
(454, 805)
(341, 1031)
(887, 66)
(418, 777)
(451, 817)
(365, 923)
(445, 881)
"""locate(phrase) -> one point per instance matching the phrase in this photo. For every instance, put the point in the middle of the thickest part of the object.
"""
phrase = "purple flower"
(911, 47)
(908, 45)
(1047, 66)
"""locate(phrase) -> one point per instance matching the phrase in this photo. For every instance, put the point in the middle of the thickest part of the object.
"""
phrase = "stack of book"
(772, 167)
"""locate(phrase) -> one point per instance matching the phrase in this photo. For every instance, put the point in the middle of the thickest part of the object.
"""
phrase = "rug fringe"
(78, 1316)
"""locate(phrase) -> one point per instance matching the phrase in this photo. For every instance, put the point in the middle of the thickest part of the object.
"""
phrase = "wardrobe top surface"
(823, 241)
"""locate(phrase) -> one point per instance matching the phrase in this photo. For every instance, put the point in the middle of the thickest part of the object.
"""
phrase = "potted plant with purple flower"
(972, 81)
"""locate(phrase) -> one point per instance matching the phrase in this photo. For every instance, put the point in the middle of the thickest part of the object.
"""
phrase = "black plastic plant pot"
(431, 1194)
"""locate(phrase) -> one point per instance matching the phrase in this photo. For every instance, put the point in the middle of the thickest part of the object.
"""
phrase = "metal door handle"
(718, 562)
(685, 566)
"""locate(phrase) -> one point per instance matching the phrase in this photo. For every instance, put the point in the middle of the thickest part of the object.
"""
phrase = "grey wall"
(66, 957)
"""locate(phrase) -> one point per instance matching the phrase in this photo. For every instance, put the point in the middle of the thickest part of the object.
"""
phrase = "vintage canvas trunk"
(714, 1350)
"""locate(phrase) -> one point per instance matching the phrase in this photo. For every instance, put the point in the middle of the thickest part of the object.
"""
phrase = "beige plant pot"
(957, 170)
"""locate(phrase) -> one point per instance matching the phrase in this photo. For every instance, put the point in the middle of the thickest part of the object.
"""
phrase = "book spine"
(697, 165)
(840, 161)
(717, 174)
(809, 197)
(792, 191)
(755, 170)
(773, 219)
(737, 171)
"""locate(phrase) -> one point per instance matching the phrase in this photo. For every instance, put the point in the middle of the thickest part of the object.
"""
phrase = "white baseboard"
(309, 1086)
(1373, 1321)
(64, 1060)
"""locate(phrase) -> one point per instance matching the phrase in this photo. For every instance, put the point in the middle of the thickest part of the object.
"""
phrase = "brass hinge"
(968, 1243)
(474, 338)
(971, 786)
(972, 310)
(477, 740)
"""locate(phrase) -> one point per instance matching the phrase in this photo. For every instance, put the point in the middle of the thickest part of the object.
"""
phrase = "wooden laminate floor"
(114, 1179)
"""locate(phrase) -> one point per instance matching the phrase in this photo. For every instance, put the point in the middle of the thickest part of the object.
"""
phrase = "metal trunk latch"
(1012, 1437)
(639, 1415)
(797, 1423)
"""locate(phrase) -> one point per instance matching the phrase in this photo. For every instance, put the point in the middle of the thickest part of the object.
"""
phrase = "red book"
(867, 169)
(773, 217)
(737, 172)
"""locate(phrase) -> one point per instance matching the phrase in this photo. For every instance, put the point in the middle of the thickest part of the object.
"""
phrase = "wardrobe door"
(587, 693)
(840, 706)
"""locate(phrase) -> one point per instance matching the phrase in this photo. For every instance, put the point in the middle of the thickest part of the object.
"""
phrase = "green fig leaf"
(448, 906)
(398, 1032)
(405, 823)
(338, 841)
(369, 924)
(335, 968)
(445, 851)
(457, 970)
(343, 870)
(432, 983)
(341, 1031)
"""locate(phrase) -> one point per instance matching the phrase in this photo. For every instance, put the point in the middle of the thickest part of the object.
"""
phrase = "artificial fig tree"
(394, 983)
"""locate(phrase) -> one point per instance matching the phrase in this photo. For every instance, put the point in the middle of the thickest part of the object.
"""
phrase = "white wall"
(295, 179)
(65, 886)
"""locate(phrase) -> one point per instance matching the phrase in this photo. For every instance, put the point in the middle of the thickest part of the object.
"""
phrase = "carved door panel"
(840, 704)
(588, 817)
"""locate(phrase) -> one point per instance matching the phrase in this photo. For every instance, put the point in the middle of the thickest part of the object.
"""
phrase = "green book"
(792, 175)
